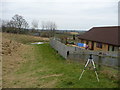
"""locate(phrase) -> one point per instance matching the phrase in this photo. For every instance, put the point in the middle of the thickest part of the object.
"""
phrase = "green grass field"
(42, 67)
(54, 71)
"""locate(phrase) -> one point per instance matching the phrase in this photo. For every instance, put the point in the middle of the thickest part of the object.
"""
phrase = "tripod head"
(91, 56)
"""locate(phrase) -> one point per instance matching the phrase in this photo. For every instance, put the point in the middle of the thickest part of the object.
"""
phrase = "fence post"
(99, 61)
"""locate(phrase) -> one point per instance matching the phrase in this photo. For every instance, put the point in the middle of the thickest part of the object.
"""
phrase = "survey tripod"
(90, 60)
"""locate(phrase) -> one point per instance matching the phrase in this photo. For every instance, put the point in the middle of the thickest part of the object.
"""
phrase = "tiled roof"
(109, 35)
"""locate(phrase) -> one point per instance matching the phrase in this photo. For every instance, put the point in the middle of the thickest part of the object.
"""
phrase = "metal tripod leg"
(84, 69)
(95, 70)
(89, 60)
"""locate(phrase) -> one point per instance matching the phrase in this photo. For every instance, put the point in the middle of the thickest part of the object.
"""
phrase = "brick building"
(102, 38)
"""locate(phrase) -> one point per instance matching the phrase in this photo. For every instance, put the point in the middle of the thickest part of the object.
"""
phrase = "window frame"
(99, 45)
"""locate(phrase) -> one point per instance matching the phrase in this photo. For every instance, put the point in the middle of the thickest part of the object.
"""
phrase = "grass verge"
(53, 71)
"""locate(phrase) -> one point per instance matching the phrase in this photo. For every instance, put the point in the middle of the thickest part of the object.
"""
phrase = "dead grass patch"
(53, 75)
(13, 61)
(49, 84)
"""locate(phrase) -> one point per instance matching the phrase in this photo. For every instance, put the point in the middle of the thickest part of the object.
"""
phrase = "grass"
(43, 67)
(25, 39)
(54, 71)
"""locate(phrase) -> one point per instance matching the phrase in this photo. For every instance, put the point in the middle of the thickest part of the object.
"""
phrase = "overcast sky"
(67, 14)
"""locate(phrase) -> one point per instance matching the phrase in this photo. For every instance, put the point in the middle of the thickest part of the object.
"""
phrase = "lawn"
(53, 71)
(40, 66)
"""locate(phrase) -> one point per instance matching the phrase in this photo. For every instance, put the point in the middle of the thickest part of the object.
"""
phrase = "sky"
(67, 14)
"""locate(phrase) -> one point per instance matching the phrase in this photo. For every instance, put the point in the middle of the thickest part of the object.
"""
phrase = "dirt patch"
(53, 75)
(9, 46)
(49, 84)
(13, 56)
(110, 75)
(12, 63)
(19, 81)
(12, 59)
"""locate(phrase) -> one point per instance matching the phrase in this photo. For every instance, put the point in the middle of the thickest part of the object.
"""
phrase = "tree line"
(20, 26)
(16, 25)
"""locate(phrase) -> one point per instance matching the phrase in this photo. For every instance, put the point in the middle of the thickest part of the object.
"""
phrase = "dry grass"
(11, 63)
(109, 73)
(49, 84)
(53, 75)
(14, 54)
(74, 33)
(24, 38)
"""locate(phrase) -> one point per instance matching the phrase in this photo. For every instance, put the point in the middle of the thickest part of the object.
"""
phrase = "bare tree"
(19, 23)
(49, 25)
(53, 27)
(4, 25)
(35, 24)
(16, 25)
(43, 25)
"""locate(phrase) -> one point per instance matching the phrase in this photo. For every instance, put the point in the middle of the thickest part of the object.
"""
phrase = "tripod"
(90, 60)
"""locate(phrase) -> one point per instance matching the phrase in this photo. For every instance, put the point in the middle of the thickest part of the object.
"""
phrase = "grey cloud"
(68, 14)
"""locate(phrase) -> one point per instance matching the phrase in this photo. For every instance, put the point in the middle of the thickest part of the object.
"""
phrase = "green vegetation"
(54, 71)
(40, 66)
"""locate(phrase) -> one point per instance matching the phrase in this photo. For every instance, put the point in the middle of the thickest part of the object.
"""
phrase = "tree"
(48, 25)
(16, 25)
(35, 24)
(19, 23)
(43, 25)
(51, 26)
(4, 25)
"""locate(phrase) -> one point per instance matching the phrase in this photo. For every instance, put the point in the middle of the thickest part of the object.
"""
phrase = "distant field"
(40, 66)
(74, 33)
(25, 39)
